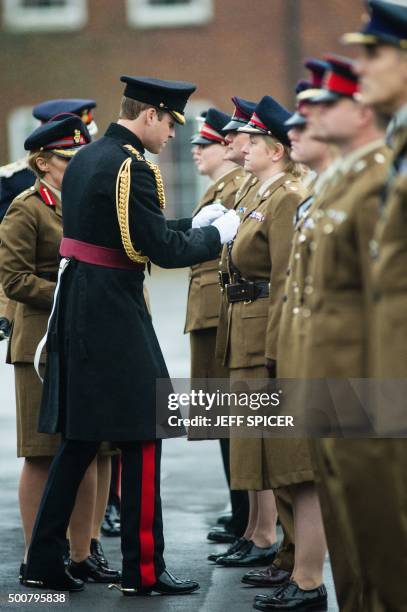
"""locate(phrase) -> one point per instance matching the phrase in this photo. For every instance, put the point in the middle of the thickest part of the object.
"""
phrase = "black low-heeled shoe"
(89, 569)
(167, 584)
(238, 545)
(292, 597)
(221, 535)
(98, 553)
(270, 577)
(250, 556)
(60, 582)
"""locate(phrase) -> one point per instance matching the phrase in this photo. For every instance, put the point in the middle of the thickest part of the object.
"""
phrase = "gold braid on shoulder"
(123, 184)
(156, 171)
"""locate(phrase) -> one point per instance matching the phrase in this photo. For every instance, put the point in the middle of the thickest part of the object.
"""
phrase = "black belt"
(49, 276)
(247, 291)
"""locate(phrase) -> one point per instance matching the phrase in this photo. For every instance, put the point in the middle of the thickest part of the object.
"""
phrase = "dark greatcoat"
(103, 354)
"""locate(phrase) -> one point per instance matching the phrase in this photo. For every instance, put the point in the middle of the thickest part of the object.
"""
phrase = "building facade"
(79, 48)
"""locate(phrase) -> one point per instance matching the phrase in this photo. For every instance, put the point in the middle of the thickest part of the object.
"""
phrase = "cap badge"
(77, 136)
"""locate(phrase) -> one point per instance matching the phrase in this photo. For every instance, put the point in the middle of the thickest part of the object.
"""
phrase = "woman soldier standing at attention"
(30, 234)
(257, 265)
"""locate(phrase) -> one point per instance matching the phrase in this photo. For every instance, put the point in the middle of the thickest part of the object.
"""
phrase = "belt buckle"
(251, 287)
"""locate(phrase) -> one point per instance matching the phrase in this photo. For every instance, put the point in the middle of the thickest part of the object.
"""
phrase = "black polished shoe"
(224, 519)
(89, 569)
(270, 577)
(251, 555)
(61, 582)
(21, 573)
(240, 543)
(97, 553)
(167, 584)
(111, 522)
(221, 535)
(292, 597)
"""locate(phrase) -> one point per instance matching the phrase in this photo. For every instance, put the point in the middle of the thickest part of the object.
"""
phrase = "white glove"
(208, 214)
(227, 226)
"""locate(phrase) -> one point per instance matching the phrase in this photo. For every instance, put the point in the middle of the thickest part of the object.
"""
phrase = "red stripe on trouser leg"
(147, 569)
(119, 478)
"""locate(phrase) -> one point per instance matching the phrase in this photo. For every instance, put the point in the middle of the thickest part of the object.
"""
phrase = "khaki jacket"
(389, 253)
(245, 196)
(30, 236)
(260, 252)
(203, 294)
(290, 346)
(337, 290)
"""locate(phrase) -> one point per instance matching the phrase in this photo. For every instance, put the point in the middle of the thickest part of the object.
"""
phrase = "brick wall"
(250, 48)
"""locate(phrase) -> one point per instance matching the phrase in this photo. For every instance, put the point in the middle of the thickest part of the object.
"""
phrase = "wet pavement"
(193, 491)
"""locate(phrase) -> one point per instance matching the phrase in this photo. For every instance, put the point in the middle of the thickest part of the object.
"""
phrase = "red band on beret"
(239, 114)
(207, 131)
(66, 142)
(258, 123)
(340, 84)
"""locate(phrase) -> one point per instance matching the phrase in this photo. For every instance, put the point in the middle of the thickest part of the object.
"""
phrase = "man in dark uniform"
(17, 176)
(96, 390)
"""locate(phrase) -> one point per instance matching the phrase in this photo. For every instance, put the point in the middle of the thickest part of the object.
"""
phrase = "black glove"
(4, 328)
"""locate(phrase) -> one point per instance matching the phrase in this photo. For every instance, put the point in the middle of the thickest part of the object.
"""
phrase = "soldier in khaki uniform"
(30, 236)
(235, 142)
(335, 304)
(203, 295)
(202, 316)
(259, 255)
(382, 464)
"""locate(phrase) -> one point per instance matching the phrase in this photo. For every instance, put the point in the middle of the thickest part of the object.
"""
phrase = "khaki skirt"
(257, 464)
(30, 443)
(204, 368)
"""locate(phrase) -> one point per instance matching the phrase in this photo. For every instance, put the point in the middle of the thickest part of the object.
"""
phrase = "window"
(183, 185)
(44, 15)
(20, 125)
(168, 13)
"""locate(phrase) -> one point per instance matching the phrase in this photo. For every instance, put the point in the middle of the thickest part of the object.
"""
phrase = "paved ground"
(193, 494)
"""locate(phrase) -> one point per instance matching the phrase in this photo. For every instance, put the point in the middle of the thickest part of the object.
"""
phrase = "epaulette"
(292, 185)
(10, 169)
(156, 171)
(26, 193)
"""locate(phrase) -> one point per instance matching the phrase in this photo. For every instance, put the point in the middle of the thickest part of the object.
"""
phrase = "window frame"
(17, 18)
(141, 14)
(20, 124)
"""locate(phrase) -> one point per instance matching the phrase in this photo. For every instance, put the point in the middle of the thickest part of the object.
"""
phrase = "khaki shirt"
(204, 294)
(260, 252)
(389, 253)
(30, 236)
(337, 287)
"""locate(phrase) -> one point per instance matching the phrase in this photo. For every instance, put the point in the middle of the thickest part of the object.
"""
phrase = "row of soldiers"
(335, 311)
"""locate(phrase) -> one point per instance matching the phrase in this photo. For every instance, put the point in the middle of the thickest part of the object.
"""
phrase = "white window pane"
(44, 15)
(20, 124)
(168, 13)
